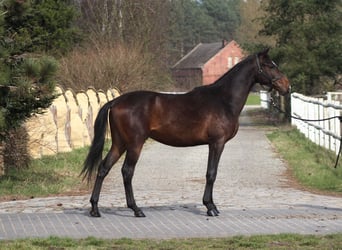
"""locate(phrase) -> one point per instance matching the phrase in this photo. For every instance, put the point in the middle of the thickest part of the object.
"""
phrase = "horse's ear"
(265, 51)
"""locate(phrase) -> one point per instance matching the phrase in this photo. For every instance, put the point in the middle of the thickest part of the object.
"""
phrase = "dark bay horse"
(205, 115)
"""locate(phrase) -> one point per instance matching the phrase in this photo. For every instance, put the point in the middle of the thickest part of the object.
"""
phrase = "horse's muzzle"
(282, 85)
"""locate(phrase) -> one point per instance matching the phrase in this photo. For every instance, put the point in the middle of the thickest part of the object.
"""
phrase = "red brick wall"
(219, 64)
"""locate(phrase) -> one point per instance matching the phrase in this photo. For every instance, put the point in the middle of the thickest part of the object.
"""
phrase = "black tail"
(94, 157)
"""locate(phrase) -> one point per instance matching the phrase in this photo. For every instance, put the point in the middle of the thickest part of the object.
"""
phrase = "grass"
(253, 99)
(50, 175)
(281, 241)
(310, 164)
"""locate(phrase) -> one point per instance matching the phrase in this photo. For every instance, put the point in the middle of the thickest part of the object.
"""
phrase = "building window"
(236, 60)
(230, 62)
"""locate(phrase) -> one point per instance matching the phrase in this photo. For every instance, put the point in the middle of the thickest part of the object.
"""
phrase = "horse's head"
(269, 73)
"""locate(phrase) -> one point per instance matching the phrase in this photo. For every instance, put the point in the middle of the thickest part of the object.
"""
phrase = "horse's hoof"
(95, 214)
(139, 214)
(213, 212)
(217, 211)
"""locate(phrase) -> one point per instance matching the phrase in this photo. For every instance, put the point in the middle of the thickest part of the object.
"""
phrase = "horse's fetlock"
(206, 203)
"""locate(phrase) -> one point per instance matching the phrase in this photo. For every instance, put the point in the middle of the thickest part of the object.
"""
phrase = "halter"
(260, 71)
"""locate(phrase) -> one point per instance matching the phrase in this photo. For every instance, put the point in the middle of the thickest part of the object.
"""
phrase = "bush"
(111, 65)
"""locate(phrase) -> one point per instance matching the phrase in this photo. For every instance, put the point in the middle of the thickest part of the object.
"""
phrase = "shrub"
(111, 65)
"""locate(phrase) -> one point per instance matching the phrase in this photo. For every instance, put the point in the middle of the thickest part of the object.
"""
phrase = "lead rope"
(311, 120)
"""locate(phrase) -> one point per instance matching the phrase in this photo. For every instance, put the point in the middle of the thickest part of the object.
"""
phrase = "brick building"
(205, 63)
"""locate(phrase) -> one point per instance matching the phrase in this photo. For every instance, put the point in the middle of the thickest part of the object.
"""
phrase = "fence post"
(264, 99)
(2, 167)
(308, 115)
(321, 123)
(339, 134)
(331, 128)
(326, 127)
(317, 130)
(294, 109)
(337, 128)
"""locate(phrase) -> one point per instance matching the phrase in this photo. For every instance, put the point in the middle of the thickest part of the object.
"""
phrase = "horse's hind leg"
(104, 168)
(127, 170)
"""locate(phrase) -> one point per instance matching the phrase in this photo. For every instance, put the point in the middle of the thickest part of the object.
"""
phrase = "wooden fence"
(325, 133)
(67, 123)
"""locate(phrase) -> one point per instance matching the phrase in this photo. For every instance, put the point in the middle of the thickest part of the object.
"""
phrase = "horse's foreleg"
(127, 171)
(215, 151)
(104, 169)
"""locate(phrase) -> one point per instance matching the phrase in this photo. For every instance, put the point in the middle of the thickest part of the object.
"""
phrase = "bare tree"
(129, 21)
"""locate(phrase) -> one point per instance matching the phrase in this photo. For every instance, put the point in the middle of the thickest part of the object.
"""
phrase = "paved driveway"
(251, 192)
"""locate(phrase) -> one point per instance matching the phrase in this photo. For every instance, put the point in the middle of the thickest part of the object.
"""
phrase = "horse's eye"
(271, 65)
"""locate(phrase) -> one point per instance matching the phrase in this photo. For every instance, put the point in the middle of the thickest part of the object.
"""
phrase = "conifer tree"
(31, 33)
(308, 41)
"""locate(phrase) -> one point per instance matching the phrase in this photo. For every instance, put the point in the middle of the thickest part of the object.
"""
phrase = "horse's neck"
(235, 88)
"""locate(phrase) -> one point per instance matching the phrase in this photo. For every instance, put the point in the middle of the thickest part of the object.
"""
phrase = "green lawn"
(281, 241)
(311, 165)
(253, 99)
(49, 175)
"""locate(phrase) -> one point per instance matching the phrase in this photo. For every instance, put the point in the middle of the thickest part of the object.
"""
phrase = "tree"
(308, 41)
(29, 90)
(141, 22)
(124, 46)
(225, 15)
(189, 25)
(41, 26)
(29, 31)
(248, 31)
(192, 22)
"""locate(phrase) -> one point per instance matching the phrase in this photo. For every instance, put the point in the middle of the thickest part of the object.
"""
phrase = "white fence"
(325, 133)
(265, 99)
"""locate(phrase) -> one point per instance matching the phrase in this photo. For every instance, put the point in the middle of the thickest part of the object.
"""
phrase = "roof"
(198, 56)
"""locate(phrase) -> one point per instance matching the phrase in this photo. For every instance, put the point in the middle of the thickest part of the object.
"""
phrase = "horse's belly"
(178, 139)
